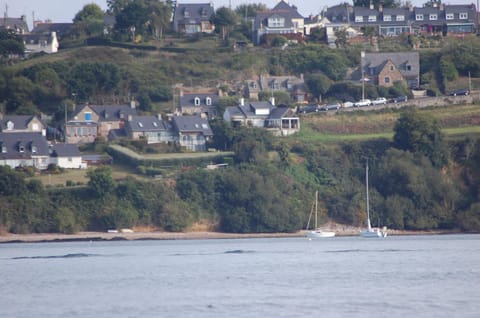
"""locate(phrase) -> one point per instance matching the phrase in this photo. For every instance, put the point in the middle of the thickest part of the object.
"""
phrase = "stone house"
(201, 104)
(91, 121)
(191, 18)
(150, 128)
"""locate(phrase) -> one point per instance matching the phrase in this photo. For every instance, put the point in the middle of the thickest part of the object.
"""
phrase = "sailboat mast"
(316, 208)
(368, 200)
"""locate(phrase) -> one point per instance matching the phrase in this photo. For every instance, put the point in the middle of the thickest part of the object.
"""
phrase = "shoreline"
(195, 235)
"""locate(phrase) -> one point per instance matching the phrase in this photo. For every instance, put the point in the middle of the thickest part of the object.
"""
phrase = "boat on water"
(369, 231)
(317, 232)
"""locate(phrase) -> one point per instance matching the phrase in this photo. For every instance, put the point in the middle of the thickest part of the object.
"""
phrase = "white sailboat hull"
(373, 233)
(320, 234)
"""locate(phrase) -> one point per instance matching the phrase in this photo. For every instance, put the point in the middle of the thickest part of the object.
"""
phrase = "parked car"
(460, 92)
(379, 101)
(348, 104)
(363, 102)
(330, 107)
(400, 99)
(308, 109)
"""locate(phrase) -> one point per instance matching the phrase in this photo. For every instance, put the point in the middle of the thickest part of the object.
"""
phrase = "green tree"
(224, 20)
(89, 20)
(250, 10)
(101, 181)
(417, 133)
(10, 43)
(318, 84)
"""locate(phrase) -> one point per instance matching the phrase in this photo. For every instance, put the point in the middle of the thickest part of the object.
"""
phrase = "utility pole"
(362, 55)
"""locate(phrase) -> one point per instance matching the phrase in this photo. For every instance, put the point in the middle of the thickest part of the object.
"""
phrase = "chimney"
(241, 101)
(380, 7)
(410, 8)
(272, 101)
(159, 116)
(132, 104)
(129, 117)
(371, 5)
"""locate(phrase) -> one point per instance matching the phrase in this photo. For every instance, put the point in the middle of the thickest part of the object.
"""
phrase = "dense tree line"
(269, 187)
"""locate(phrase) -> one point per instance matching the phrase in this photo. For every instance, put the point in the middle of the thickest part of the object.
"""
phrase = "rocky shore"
(157, 235)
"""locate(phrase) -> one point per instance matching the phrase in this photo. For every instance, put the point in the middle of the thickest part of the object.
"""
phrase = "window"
(400, 17)
(372, 18)
(433, 17)
(358, 19)
(10, 125)
(409, 67)
(392, 68)
(387, 80)
(208, 101)
(197, 101)
(21, 148)
(88, 116)
(463, 15)
(387, 18)
(276, 22)
(450, 16)
(34, 149)
(419, 17)
(35, 127)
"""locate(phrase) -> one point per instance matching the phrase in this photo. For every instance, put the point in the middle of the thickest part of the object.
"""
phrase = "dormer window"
(450, 16)
(400, 17)
(208, 101)
(186, 13)
(4, 148)
(463, 15)
(34, 148)
(433, 17)
(372, 18)
(358, 18)
(387, 18)
(21, 148)
(196, 101)
(419, 17)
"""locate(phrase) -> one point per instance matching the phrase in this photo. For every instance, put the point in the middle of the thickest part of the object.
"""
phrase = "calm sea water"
(421, 276)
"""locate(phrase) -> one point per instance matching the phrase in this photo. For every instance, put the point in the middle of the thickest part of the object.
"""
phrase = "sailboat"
(369, 231)
(317, 232)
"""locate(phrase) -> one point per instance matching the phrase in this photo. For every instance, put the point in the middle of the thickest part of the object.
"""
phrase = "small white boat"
(317, 232)
(369, 231)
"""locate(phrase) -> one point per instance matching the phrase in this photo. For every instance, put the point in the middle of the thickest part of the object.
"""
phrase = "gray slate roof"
(46, 28)
(192, 13)
(146, 123)
(13, 143)
(20, 122)
(110, 112)
(18, 24)
(400, 59)
(65, 150)
(188, 99)
(282, 9)
(192, 124)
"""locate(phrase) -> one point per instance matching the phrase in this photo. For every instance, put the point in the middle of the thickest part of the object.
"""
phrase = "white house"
(67, 156)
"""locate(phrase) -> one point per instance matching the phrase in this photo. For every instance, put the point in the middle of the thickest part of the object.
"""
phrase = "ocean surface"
(401, 276)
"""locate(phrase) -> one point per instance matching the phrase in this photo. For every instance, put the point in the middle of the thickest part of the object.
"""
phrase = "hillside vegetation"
(424, 164)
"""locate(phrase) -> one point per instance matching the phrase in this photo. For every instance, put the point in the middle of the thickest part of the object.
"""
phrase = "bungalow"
(67, 156)
(280, 121)
(24, 149)
(38, 43)
(192, 132)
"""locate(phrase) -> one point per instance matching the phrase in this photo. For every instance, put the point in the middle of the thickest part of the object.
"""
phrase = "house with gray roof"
(18, 25)
(281, 121)
(283, 20)
(153, 129)
(388, 67)
(191, 18)
(91, 121)
(293, 85)
(199, 103)
(24, 149)
(192, 132)
(61, 29)
(22, 123)
(41, 43)
(67, 156)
